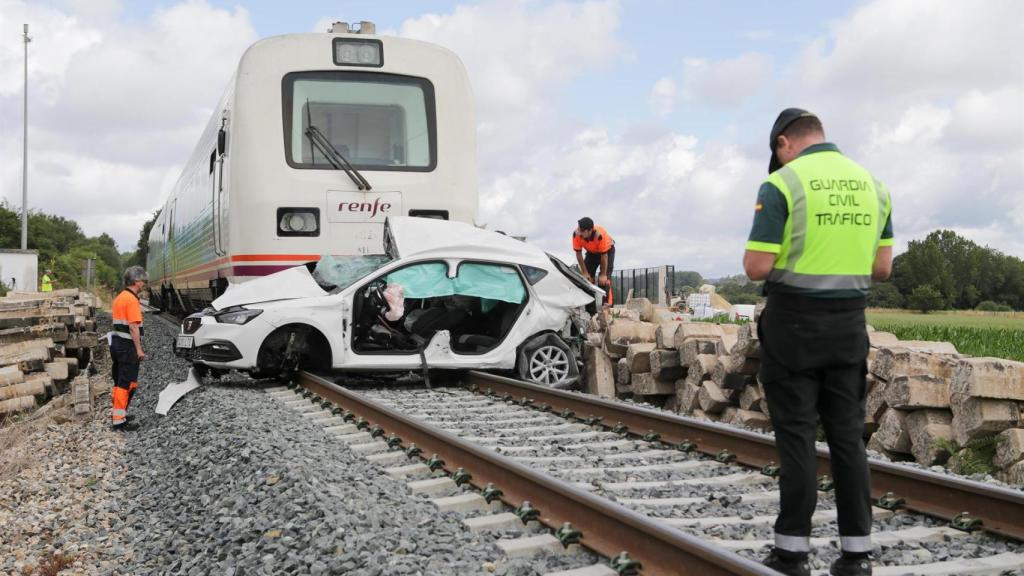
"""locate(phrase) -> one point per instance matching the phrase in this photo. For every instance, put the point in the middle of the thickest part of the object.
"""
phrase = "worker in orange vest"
(600, 249)
(126, 346)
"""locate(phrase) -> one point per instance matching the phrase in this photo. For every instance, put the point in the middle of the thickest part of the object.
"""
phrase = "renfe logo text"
(377, 207)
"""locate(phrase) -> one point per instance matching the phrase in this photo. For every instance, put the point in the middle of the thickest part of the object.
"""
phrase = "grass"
(956, 318)
(998, 334)
(973, 458)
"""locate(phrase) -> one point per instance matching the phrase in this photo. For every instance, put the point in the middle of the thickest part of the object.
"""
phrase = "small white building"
(19, 269)
(743, 311)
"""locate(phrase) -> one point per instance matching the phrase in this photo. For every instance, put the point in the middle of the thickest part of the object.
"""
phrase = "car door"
(365, 304)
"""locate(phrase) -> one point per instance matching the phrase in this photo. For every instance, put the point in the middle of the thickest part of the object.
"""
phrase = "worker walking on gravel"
(822, 232)
(600, 249)
(126, 346)
(46, 282)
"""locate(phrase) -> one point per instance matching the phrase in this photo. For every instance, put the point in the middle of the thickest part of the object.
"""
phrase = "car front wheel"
(547, 360)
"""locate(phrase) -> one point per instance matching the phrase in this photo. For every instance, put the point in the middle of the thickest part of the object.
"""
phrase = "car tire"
(547, 360)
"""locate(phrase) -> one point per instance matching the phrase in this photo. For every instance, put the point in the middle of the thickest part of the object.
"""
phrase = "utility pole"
(24, 155)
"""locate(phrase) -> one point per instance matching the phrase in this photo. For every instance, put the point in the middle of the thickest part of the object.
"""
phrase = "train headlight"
(358, 52)
(298, 221)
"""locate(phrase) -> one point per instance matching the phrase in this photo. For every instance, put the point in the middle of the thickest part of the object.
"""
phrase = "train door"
(163, 247)
(171, 236)
(217, 165)
(216, 200)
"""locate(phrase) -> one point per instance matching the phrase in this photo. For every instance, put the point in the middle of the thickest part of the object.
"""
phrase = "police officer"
(126, 346)
(600, 249)
(821, 233)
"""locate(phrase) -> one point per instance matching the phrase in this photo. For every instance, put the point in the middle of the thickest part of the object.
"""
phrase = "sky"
(650, 116)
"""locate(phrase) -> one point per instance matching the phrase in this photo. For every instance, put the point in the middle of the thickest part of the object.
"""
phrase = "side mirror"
(222, 142)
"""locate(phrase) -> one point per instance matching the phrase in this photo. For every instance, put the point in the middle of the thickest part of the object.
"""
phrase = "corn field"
(974, 340)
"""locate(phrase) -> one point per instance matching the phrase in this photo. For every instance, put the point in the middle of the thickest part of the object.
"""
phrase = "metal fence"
(656, 284)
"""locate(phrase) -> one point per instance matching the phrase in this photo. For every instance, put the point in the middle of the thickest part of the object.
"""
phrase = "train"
(317, 139)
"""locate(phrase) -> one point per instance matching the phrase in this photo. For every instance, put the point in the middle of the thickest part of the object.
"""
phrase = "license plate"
(185, 341)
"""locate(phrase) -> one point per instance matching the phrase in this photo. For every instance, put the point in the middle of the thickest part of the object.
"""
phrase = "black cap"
(786, 117)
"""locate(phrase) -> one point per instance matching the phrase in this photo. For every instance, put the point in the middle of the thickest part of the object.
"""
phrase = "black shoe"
(789, 567)
(851, 566)
(127, 427)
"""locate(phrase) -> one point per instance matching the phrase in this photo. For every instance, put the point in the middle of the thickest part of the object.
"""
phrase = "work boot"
(859, 565)
(127, 427)
(788, 563)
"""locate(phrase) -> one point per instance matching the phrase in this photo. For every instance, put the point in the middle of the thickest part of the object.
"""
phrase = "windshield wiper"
(337, 160)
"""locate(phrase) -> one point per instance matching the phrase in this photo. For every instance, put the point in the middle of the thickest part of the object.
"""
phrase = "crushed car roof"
(427, 237)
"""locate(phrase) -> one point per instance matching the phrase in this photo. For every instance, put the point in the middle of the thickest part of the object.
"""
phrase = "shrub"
(990, 306)
(926, 298)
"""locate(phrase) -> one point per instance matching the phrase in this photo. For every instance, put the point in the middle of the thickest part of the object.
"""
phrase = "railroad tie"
(492, 522)
(531, 546)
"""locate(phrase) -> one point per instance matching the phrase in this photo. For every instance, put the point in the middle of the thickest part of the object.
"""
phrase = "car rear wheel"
(548, 361)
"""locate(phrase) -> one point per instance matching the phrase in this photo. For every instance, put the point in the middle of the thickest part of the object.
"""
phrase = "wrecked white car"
(446, 295)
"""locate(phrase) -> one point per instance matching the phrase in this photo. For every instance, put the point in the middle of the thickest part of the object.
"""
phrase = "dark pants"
(814, 364)
(125, 372)
(592, 260)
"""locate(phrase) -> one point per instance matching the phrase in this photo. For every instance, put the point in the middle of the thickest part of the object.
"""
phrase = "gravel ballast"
(232, 482)
(472, 415)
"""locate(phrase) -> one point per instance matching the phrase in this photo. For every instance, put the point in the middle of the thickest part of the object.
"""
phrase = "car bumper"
(216, 352)
(225, 346)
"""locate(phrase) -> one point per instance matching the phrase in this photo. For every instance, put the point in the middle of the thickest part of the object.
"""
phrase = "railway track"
(679, 496)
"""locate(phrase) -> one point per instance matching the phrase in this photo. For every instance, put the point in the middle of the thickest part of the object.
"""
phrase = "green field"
(976, 333)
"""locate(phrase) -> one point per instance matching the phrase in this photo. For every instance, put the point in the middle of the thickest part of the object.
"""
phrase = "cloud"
(663, 199)
(115, 108)
(914, 48)
(520, 56)
(663, 96)
(95, 10)
(729, 82)
(930, 100)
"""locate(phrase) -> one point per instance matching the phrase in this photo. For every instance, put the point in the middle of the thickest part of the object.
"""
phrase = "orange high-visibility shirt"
(125, 310)
(599, 243)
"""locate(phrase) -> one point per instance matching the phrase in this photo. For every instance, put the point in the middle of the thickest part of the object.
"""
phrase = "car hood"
(294, 282)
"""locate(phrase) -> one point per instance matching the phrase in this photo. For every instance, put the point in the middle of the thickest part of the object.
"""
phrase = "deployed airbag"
(423, 280)
(490, 282)
(486, 281)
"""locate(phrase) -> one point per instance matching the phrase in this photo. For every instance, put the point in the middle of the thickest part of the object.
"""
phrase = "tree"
(926, 298)
(739, 289)
(963, 272)
(141, 253)
(884, 295)
(688, 278)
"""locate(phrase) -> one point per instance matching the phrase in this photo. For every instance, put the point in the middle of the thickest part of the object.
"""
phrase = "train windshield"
(376, 121)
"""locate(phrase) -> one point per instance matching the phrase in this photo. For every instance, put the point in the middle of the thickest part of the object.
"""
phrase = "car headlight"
(237, 316)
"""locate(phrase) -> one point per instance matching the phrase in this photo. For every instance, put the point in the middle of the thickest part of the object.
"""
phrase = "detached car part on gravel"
(445, 295)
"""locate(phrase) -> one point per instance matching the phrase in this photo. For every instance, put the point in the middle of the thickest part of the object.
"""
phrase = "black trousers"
(592, 260)
(814, 365)
(124, 367)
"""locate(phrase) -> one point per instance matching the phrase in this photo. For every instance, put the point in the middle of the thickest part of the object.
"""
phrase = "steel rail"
(1000, 509)
(608, 528)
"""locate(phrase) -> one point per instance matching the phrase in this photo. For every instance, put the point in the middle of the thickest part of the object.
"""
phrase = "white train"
(318, 138)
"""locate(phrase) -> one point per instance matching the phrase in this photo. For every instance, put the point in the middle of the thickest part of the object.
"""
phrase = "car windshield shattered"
(335, 273)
